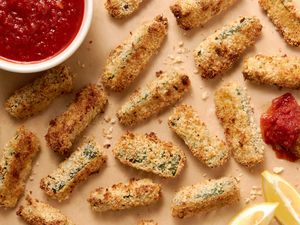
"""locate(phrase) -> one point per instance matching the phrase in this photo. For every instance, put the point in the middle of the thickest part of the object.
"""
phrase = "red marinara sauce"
(280, 126)
(34, 30)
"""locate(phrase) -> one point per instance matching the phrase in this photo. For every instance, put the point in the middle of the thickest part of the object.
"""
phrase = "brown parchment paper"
(104, 35)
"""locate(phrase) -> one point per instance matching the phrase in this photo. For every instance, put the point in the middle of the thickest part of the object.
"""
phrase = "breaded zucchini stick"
(15, 166)
(284, 18)
(122, 8)
(127, 61)
(194, 13)
(64, 129)
(210, 150)
(166, 90)
(38, 95)
(293, 6)
(125, 196)
(35, 212)
(150, 154)
(218, 53)
(205, 196)
(83, 162)
(280, 71)
(236, 116)
(147, 222)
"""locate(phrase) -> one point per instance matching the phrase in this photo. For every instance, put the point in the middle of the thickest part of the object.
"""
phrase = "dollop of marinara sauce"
(280, 126)
(34, 30)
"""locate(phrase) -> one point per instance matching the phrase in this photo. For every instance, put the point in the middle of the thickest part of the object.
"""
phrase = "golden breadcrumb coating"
(166, 90)
(64, 129)
(122, 8)
(38, 95)
(194, 13)
(83, 162)
(35, 212)
(210, 150)
(127, 61)
(236, 116)
(280, 71)
(150, 154)
(292, 6)
(285, 19)
(147, 222)
(125, 196)
(220, 51)
(15, 166)
(205, 196)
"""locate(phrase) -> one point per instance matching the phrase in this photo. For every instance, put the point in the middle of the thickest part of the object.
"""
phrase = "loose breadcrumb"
(83, 162)
(280, 71)
(150, 154)
(205, 196)
(218, 53)
(186, 123)
(64, 129)
(125, 196)
(35, 212)
(15, 166)
(166, 90)
(38, 95)
(236, 116)
(285, 19)
(194, 13)
(127, 61)
(122, 8)
(147, 222)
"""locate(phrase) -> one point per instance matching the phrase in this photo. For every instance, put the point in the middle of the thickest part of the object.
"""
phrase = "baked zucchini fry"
(280, 71)
(35, 212)
(236, 116)
(122, 8)
(15, 166)
(83, 162)
(210, 150)
(285, 19)
(194, 13)
(150, 154)
(38, 95)
(125, 196)
(64, 129)
(205, 197)
(147, 222)
(127, 61)
(220, 51)
(166, 90)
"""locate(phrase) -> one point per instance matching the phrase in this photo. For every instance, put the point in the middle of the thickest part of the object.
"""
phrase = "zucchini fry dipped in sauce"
(205, 197)
(35, 212)
(284, 18)
(38, 95)
(15, 166)
(147, 222)
(280, 71)
(236, 116)
(220, 51)
(150, 154)
(127, 61)
(166, 90)
(125, 196)
(83, 162)
(122, 8)
(210, 150)
(64, 129)
(194, 13)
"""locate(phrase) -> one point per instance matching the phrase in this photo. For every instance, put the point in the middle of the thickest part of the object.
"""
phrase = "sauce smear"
(34, 30)
(280, 126)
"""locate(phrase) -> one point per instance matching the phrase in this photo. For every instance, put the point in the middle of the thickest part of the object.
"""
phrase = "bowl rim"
(21, 67)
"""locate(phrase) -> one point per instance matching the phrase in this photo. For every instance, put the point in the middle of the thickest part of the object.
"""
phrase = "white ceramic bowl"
(60, 57)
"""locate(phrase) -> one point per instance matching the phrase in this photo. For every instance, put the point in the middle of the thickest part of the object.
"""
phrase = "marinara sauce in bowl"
(37, 35)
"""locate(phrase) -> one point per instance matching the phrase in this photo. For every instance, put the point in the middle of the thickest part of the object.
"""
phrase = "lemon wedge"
(258, 214)
(279, 190)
